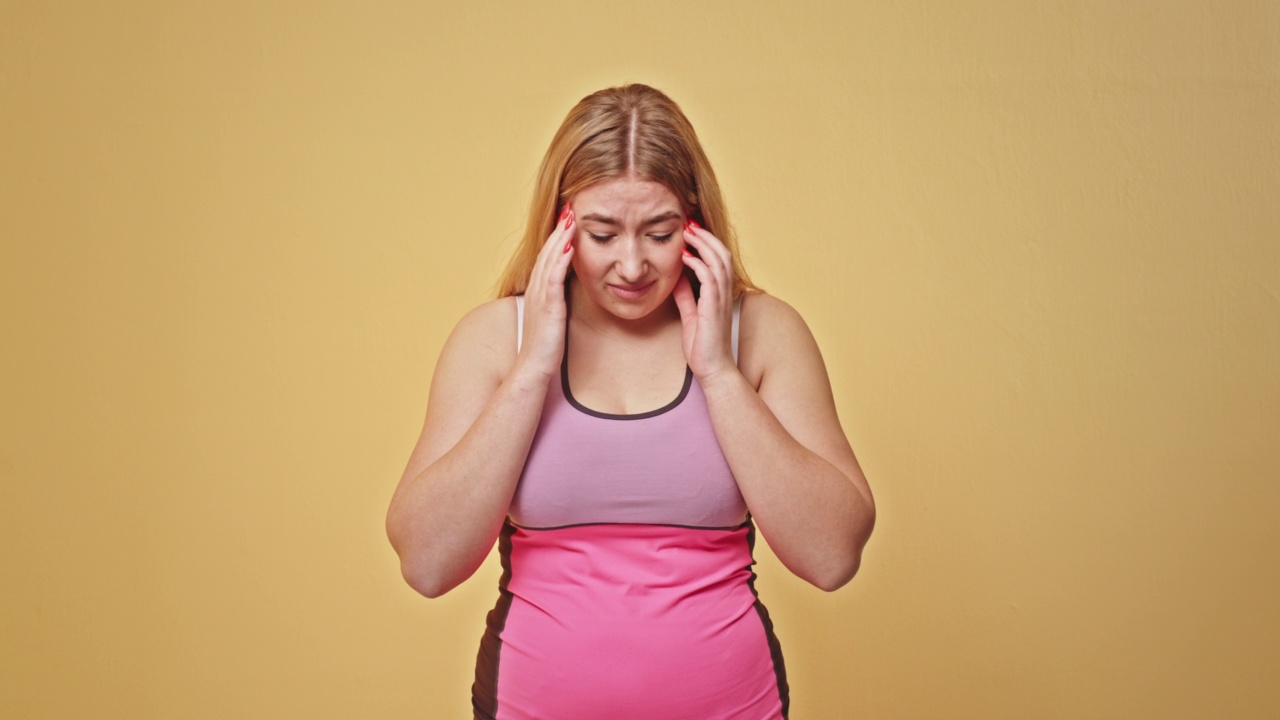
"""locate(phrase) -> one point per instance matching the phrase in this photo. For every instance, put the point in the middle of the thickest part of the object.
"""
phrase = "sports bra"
(663, 466)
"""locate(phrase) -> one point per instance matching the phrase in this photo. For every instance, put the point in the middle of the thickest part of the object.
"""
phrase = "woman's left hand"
(708, 320)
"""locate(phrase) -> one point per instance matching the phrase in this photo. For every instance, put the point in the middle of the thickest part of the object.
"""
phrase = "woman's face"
(629, 243)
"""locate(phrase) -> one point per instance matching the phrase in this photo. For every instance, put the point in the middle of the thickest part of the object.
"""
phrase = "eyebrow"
(605, 219)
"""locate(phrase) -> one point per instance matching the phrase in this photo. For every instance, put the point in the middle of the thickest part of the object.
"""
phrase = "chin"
(648, 300)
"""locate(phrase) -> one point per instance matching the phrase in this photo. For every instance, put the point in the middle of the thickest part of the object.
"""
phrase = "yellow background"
(1039, 244)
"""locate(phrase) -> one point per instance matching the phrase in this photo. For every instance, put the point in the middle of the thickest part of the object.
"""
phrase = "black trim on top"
(484, 692)
(568, 394)
(739, 526)
(775, 647)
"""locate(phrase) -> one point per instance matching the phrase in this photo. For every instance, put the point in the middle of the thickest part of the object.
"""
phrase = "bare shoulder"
(763, 312)
(479, 353)
(771, 333)
(485, 338)
(477, 356)
(492, 316)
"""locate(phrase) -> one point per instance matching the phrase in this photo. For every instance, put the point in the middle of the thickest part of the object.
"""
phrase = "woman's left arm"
(782, 438)
(784, 443)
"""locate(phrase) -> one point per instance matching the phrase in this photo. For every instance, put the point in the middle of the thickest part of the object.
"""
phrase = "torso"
(627, 589)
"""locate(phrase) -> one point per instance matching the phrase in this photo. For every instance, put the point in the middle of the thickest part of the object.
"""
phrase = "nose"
(631, 264)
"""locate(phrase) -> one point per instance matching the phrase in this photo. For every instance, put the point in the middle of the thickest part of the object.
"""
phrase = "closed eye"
(607, 238)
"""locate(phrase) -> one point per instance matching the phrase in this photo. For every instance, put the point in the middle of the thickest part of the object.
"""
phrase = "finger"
(717, 275)
(570, 229)
(706, 252)
(552, 250)
(555, 241)
(559, 267)
(712, 241)
(685, 302)
(559, 235)
(710, 287)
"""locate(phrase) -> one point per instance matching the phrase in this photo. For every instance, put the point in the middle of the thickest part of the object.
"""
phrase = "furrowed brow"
(669, 215)
(606, 220)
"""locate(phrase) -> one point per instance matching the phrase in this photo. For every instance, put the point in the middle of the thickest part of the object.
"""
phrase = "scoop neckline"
(568, 391)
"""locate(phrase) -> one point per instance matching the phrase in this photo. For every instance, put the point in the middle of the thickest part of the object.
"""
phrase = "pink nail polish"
(568, 244)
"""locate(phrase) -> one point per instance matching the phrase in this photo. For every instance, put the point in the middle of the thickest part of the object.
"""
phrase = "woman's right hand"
(457, 488)
(545, 312)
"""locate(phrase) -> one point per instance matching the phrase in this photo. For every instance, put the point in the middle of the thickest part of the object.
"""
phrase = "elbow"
(415, 567)
(840, 571)
(427, 584)
(838, 575)
(425, 577)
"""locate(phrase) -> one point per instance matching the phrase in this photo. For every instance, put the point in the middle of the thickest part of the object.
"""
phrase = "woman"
(625, 518)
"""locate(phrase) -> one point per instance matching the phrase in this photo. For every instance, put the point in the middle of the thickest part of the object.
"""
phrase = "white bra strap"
(519, 321)
(737, 311)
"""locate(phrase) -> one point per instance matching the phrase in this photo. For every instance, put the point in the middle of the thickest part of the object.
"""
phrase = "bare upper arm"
(477, 356)
(781, 359)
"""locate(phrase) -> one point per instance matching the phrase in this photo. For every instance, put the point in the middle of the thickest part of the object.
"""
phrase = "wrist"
(526, 375)
(725, 380)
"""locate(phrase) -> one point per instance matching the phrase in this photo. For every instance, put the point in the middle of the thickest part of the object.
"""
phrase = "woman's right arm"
(483, 411)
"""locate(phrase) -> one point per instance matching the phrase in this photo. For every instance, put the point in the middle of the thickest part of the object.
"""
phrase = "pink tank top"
(627, 590)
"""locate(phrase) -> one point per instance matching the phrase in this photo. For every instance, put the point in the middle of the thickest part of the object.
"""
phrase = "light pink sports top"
(627, 590)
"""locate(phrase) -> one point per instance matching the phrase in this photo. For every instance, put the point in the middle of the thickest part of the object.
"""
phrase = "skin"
(623, 319)
(635, 324)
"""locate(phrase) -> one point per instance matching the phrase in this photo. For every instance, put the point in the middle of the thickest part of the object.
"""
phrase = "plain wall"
(1038, 243)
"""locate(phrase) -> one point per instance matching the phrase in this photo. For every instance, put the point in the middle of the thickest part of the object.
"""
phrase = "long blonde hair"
(628, 130)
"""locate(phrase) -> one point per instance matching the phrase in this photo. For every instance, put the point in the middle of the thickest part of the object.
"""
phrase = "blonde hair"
(628, 130)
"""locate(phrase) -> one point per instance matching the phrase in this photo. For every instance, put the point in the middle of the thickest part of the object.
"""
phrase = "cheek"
(674, 261)
(586, 259)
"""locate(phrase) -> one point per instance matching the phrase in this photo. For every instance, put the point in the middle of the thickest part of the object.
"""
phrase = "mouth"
(631, 292)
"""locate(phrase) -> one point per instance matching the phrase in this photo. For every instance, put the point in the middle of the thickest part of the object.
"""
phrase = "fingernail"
(686, 252)
(563, 214)
(695, 224)
(568, 244)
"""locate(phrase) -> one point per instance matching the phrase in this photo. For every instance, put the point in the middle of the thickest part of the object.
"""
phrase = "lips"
(631, 291)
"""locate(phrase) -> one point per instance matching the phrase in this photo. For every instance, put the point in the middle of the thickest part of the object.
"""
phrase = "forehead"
(622, 197)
